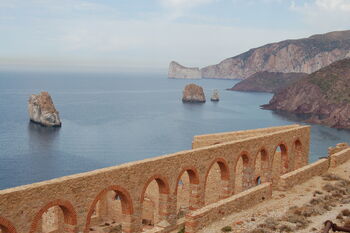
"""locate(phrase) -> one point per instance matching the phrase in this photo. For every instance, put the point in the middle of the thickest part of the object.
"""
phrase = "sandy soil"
(303, 209)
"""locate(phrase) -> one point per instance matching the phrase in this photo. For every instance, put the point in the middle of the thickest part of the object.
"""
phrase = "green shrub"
(226, 229)
(182, 230)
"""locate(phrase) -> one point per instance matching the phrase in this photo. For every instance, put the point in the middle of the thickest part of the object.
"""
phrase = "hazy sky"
(148, 34)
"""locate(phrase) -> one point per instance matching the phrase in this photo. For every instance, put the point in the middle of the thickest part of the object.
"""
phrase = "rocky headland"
(178, 71)
(324, 94)
(302, 56)
(42, 110)
(267, 81)
(193, 94)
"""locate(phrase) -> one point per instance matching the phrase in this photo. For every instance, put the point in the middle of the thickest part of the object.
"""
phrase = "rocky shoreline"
(324, 94)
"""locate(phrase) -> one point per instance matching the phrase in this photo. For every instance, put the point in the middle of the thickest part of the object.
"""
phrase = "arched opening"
(110, 211)
(280, 164)
(242, 174)
(57, 216)
(154, 201)
(217, 182)
(261, 168)
(298, 156)
(6, 226)
(258, 180)
(186, 192)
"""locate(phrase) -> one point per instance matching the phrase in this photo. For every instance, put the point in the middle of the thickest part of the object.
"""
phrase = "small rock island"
(178, 71)
(193, 94)
(215, 97)
(42, 110)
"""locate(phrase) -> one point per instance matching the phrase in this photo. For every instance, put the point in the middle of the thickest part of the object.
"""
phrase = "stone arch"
(261, 165)
(69, 215)
(187, 197)
(160, 210)
(126, 204)
(243, 172)
(280, 162)
(219, 165)
(298, 154)
(6, 226)
(162, 184)
(192, 174)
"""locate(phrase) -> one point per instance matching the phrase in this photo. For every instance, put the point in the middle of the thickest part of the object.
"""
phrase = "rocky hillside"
(267, 81)
(178, 71)
(303, 56)
(325, 94)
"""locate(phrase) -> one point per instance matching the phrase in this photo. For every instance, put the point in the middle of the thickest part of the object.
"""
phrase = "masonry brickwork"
(82, 199)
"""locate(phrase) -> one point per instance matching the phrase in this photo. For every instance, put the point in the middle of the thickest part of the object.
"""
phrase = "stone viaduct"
(77, 203)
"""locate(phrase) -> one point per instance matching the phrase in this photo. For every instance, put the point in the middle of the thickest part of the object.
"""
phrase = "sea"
(114, 118)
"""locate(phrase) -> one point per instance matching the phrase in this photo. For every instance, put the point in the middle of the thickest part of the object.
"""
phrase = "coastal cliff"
(42, 110)
(303, 56)
(267, 81)
(178, 71)
(324, 94)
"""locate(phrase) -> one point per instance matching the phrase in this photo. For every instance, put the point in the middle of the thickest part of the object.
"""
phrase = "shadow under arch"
(186, 191)
(152, 214)
(261, 167)
(242, 172)
(6, 226)
(125, 198)
(69, 214)
(223, 190)
(298, 153)
(280, 162)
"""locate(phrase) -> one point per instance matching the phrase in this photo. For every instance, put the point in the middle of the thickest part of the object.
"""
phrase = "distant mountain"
(179, 71)
(303, 56)
(265, 81)
(325, 94)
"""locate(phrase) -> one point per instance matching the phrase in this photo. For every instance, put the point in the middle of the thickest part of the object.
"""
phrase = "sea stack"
(178, 71)
(215, 96)
(193, 94)
(42, 110)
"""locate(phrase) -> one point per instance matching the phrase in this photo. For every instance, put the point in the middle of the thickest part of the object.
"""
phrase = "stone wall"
(303, 174)
(201, 218)
(77, 196)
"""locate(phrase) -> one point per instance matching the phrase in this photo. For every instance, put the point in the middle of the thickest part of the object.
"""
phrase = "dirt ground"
(302, 209)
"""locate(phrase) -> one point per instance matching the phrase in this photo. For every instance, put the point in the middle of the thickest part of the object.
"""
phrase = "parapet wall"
(22, 208)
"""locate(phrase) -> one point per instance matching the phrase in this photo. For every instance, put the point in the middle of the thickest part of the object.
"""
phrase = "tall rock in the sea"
(303, 56)
(215, 96)
(193, 94)
(42, 110)
(178, 71)
(324, 94)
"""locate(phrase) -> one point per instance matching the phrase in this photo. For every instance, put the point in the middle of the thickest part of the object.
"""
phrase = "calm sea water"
(110, 119)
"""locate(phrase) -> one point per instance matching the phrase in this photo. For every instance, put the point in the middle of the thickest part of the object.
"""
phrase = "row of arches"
(112, 209)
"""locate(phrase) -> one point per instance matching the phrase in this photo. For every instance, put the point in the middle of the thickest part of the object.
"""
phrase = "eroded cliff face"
(302, 56)
(42, 110)
(324, 94)
(267, 81)
(178, 71)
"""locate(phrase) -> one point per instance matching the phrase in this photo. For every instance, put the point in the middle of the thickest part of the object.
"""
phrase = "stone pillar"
(225, 189)
(164, 213)
(69, 228)
(248, 178)
(130, 224)
(196, 197)
(191, 224)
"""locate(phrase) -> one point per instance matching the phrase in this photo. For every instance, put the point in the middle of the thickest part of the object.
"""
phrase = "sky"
(148, 34)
